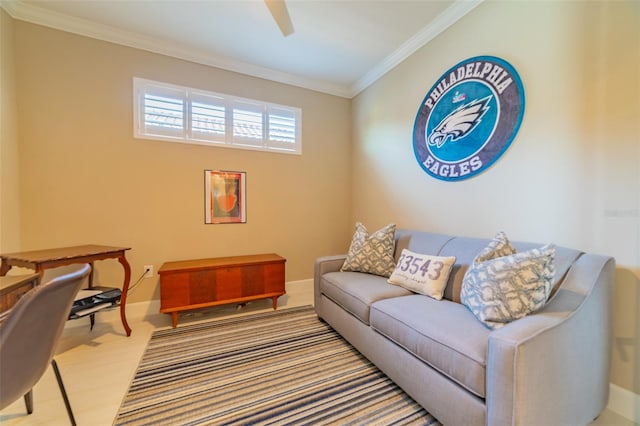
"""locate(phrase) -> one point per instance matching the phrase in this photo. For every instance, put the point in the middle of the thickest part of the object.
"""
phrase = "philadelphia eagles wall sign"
(469, 118)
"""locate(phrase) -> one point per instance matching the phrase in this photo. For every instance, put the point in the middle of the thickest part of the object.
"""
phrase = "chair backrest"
(30, 332)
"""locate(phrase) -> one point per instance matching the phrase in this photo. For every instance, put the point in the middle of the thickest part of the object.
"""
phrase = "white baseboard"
(624, 402)
(308, 281)
(137, 311)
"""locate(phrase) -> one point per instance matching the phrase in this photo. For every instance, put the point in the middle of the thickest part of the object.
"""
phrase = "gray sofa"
(548, 368)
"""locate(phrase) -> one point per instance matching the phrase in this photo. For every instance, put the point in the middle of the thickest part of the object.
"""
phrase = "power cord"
(139, 279)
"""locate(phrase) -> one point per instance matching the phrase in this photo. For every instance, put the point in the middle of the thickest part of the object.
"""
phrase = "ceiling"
(338, 47)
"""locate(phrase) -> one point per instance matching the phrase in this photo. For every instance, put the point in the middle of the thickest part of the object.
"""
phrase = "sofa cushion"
(422, 273)
(372, 254)
(420, 242)
(443, 334)
(355, 292)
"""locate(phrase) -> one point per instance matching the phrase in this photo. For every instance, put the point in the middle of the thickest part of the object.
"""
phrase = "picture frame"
(225, 196)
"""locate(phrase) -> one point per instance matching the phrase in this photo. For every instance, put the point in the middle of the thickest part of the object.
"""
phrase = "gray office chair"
(29, 335)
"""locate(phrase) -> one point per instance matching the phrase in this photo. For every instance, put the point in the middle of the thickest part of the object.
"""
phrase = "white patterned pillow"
(498, 247)
(422, 273)
(373, 253)
(500, 289)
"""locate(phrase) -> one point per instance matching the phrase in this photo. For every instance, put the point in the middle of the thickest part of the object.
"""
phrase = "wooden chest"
(193, 284)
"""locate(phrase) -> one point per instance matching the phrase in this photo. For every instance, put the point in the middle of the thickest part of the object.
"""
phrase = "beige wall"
(85, 179)
(9, 180)
(572, 175)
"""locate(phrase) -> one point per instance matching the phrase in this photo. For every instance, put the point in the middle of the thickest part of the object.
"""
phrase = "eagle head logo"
(460, 122)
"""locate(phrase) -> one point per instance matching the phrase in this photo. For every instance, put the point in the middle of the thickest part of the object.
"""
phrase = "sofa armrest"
(552, 367)
(322, 266)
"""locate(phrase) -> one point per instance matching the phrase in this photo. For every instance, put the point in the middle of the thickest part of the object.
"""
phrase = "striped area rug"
(278, 368)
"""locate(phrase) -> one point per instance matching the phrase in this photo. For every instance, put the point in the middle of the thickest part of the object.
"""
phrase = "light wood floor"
(97, 366)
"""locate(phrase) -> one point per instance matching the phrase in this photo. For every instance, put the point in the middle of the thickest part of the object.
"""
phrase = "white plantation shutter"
(161, 110)
(283, 131)
(181, 114)
(208, 117)
(248, 123)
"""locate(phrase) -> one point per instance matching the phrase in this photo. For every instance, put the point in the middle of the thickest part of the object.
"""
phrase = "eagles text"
(452, 170)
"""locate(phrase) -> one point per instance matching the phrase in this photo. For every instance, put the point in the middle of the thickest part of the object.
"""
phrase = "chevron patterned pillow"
(499, 288)
(372, 254)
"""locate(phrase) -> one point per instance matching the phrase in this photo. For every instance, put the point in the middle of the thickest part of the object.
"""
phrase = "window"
(181, 114)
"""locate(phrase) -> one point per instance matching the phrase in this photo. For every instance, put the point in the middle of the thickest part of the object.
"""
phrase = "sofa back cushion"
(465, 249)
(420, 242)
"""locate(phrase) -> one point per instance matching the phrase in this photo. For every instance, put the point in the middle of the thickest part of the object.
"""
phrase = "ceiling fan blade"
(278, 9)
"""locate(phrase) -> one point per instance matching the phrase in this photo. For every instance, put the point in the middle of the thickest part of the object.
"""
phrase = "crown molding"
(447, 18)
(36, 15)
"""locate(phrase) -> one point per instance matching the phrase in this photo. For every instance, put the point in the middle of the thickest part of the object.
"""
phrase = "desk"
(39, 260)
(12, 289)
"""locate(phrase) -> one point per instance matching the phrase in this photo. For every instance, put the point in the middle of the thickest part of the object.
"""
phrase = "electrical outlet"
(148, 271)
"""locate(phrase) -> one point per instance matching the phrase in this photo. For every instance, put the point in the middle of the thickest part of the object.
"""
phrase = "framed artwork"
(225, 196)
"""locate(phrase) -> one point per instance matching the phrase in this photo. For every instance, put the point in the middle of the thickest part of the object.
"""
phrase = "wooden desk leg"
(40, 273)
(125, 290)
(4, 268)
(275, 302)
(91, 275)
